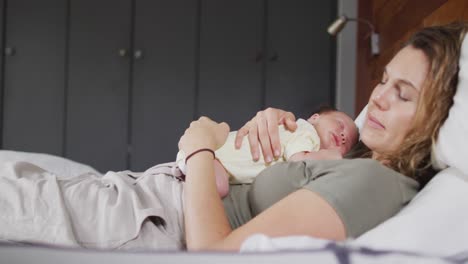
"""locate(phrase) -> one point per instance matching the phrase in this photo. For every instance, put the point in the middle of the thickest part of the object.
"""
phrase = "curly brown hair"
(442, 47)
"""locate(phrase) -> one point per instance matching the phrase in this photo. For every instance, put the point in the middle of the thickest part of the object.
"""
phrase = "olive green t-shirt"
(363, 192)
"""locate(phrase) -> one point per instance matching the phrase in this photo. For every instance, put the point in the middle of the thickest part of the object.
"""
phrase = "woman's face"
(394, 100)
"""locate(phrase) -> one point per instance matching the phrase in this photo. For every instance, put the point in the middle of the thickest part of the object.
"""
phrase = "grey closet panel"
(299, 62)
(2, 16)
(163, 79)
(34, 75)
(230, 86)
(97, 108)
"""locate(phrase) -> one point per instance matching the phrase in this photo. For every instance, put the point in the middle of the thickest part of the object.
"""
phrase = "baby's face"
(336, 131)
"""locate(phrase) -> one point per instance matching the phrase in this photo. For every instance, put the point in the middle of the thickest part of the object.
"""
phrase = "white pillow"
(452, 145)
(359, 121)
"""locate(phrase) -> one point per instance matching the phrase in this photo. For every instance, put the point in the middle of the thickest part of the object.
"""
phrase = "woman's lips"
(373, 122)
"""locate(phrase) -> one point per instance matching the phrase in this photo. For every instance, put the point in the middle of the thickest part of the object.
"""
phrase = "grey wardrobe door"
(98, 84)
(231, 43)
(299, 69)
(163, 78)
(2, 16)
(34, 75)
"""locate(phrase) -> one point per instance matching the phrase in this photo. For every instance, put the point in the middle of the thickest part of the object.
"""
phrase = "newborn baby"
(328, 134)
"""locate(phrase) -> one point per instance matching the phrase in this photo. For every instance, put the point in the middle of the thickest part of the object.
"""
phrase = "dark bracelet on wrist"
(198, 151)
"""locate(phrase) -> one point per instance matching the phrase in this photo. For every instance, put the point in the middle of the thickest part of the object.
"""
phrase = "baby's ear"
(314, 118)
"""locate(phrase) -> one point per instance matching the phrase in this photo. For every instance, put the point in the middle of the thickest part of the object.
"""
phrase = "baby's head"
(335, 129)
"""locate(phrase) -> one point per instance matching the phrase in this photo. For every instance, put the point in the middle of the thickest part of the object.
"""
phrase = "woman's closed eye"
(402, 97)
(402, 94)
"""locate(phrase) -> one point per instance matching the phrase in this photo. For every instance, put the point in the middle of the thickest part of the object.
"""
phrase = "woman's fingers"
(264, 136)
(253, 141)
(204, 133)
(275, 117)
(289, 121)
(224, 128)
(241, 133)
(224, 125)
(272, 119)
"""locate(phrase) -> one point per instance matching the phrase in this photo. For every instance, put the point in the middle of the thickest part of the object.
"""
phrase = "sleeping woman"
(332, 199)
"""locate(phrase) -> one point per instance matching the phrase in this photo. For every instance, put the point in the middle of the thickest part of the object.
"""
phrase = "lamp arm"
(336, 27)
(362, 20)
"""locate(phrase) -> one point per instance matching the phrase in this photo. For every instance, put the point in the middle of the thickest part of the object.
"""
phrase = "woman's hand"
(263, 128)
(203, 133)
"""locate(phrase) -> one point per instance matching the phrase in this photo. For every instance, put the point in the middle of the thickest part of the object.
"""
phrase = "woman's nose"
(380, 98)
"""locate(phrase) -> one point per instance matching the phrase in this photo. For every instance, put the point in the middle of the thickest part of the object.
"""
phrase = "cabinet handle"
(123, 52)
(10, 51)
(138, 54)
(258, 57)
(274, 57)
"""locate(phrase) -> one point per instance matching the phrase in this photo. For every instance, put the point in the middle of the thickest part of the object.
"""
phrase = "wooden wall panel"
(452, 10)
(395, 21)
(363, 58)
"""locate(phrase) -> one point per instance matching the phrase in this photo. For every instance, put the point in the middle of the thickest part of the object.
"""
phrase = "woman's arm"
(263, 130)
(205, 219)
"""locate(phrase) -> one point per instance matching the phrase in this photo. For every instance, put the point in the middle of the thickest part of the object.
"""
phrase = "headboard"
(395, 21)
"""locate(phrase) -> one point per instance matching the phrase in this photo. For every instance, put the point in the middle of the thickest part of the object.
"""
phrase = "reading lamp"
(340, 23)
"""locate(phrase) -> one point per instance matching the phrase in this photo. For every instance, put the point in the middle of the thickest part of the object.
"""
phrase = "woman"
(331, 199)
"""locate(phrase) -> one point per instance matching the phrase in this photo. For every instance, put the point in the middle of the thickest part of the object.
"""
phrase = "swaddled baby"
(327, 134)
